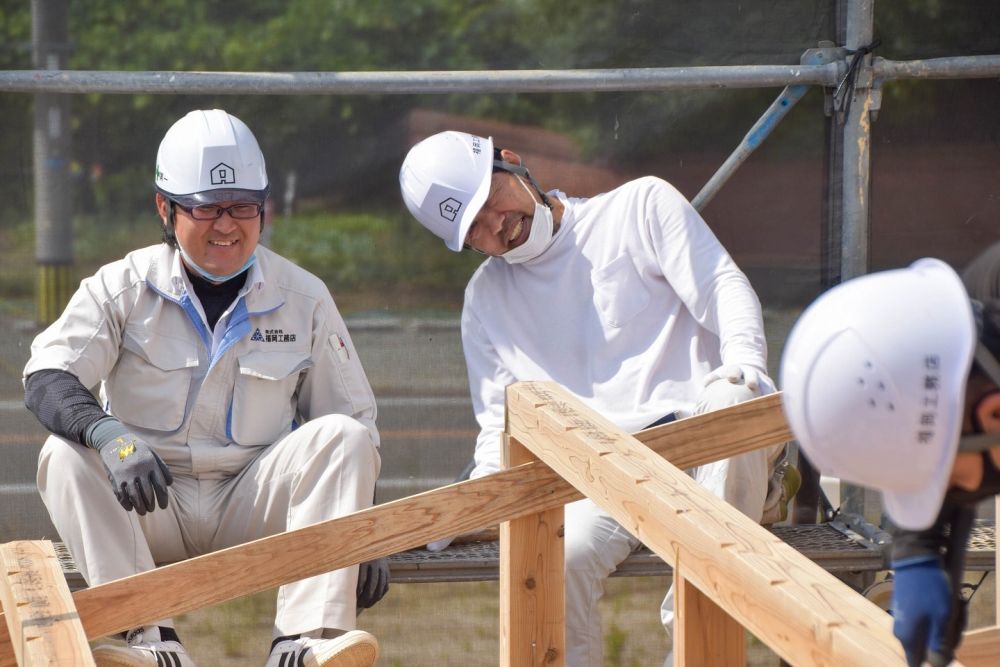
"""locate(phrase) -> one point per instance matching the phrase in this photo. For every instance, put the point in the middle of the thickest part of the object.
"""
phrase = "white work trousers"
(596, 543)
(324, 469)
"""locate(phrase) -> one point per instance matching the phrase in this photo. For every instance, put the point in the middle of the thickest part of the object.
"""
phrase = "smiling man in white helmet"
(233, 407)
(626, 299)
(891, 381)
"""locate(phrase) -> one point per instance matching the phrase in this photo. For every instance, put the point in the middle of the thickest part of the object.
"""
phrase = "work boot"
(356, 648)
(140, 652)
(781, 488)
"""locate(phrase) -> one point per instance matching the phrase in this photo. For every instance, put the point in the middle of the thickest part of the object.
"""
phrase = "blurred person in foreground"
(626, 299)
(891, 381)
(233, 405)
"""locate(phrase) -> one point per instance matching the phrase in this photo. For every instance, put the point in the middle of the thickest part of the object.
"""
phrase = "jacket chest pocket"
(264, 396)
(150, 383)
(618, 291)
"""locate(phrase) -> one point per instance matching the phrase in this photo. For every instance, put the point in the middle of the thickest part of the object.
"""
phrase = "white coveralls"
(267, 423)
(630, 306)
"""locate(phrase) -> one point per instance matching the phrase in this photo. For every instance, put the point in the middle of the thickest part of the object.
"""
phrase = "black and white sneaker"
(356, 648)
(139, 652)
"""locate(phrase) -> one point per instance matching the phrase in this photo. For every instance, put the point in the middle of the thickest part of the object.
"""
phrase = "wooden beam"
(803, 613)
(980, 648)
(532, 582)
(392, 527)
(750, 425)
(38, 607)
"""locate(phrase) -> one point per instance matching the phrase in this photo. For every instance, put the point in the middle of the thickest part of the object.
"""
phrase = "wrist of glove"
(373, 582)
(736, 374)
(138, 476)
(921, 608)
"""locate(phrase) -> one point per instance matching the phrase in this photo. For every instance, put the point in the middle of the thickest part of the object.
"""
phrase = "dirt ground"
(455, 625)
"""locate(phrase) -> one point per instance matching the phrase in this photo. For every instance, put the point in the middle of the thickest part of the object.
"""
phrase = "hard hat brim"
(217, 196)
(466, 219)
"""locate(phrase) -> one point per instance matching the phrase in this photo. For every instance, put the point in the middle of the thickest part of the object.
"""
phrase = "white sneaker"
(140, 653)
(356, 648)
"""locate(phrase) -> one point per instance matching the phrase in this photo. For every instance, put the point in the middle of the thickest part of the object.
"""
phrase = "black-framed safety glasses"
(207, 212)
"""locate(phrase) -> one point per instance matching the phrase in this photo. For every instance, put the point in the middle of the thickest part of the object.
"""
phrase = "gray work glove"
(373, 582)
(138, 476)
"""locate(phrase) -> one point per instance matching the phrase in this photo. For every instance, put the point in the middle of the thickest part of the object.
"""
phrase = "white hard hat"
(445, 180)
(874, 375)
(210, 156)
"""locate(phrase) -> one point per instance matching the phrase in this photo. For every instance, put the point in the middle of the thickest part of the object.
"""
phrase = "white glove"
(440, 545)
(735, 374)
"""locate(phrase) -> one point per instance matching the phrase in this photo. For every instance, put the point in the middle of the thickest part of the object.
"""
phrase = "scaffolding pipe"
(411, 83)
(855, 227)
(472, 81)
(760, 131)
(959, 67)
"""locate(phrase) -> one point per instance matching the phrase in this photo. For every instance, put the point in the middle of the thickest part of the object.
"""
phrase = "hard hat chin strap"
(522, 171)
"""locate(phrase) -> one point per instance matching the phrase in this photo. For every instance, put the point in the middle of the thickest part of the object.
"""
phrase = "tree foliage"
(350, 139)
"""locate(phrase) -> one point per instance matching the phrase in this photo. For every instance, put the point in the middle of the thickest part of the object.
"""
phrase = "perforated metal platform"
(844, 545)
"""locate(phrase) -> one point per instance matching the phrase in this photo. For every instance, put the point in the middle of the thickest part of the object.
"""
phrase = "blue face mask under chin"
(215, 278)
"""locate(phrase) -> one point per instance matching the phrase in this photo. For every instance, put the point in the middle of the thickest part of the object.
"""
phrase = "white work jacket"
(207, 401)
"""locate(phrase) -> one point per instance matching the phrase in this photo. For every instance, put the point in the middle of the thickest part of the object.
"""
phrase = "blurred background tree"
(345, 151)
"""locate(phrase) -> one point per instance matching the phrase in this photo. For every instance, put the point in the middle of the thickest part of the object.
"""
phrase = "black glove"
(138, 476)
(373, 582)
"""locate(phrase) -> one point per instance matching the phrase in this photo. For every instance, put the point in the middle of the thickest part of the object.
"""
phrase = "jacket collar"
(167, 276)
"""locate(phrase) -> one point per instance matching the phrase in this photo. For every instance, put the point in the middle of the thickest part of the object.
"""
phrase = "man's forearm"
(62, 404)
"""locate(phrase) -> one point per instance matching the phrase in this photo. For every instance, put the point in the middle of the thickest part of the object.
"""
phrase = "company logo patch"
(449, 208)
(272, 336)
(159, 174)
(222, 174)
(125, 448)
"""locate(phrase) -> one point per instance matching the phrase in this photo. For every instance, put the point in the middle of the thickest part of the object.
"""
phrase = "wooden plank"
(803, 613)
(704, 634)
(38, 607)
(753, 424)
(980, 648)
(389, 528)
(532, 582)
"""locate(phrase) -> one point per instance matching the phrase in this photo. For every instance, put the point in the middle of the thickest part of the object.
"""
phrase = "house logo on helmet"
(449, 208)
(222, 174)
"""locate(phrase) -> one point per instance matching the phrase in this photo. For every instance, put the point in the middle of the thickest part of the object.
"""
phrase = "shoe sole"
(116, 657)
(362, 654)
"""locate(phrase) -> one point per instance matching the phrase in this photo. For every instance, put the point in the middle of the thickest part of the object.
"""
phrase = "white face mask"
(538, 238)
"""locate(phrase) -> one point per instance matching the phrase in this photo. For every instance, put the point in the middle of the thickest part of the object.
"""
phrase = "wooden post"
(38, 608)
(704, 634)
(532, 582)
